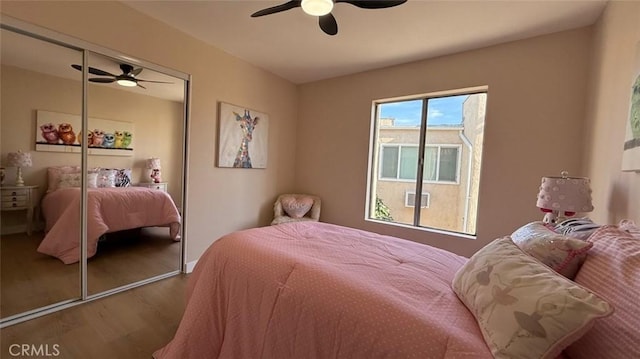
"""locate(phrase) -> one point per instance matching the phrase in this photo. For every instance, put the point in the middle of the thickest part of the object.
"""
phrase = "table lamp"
(564, 196)
(19, 159)
(154, 165)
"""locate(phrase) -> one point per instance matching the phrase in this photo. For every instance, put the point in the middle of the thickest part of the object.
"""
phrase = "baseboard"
(188, 267)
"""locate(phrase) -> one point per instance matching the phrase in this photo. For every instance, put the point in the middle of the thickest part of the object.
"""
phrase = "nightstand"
(162, 186)
(20, 198)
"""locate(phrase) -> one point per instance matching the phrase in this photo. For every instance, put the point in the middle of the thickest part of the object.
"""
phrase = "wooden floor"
(30, 280)
(132, 324)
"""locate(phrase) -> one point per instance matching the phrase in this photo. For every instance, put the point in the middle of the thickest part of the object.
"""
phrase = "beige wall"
(616, 194)
(218, 200)
(534, 127)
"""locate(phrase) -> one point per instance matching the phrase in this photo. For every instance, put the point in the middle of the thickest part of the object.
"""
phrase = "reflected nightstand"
(20, 198)
(162, 186)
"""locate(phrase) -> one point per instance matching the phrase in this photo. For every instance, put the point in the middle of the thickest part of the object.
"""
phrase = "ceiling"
(291, 45)
(27, 53)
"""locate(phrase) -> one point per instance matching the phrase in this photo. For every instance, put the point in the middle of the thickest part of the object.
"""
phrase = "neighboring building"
(451, 172)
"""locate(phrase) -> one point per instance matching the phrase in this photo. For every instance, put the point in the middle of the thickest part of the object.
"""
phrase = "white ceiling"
(291, 45)
(48, 58)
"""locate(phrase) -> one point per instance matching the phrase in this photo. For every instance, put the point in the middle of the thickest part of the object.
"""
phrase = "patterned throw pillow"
(70, 180)
(123, 177)
(54, 173)
(524, 309)
(296, 206)
(562, 253)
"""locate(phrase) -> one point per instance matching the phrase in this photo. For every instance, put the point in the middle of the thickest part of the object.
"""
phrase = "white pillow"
(67, 180)
(523, 308)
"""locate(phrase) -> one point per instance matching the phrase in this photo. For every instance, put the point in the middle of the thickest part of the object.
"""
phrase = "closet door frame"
(34, 31)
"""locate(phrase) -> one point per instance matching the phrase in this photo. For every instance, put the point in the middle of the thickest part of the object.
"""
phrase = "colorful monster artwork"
(109, 140)
(60, 132)
(66, 134)
(49, 133)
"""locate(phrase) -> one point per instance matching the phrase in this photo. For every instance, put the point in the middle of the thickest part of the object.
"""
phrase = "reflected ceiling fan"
(127, 78)
(322, 9)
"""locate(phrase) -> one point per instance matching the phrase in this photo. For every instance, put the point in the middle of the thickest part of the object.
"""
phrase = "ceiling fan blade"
(328, 24)
(93, 71)
(137, 71)
(373, 4)
(282, 7)
(157, 82)
(102, 80)
(140, 85)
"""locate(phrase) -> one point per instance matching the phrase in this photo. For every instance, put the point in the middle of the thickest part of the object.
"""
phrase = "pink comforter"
(316, 290)
(108, 210)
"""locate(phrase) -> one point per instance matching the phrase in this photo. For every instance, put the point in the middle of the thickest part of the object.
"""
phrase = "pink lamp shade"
(19, 159)
(154, 164)
(560, 196)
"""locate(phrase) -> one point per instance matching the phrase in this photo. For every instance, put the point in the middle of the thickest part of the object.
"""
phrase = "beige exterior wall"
(442, 195)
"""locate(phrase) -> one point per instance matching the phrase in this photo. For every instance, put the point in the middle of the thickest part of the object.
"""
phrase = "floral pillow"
(563, 254)
(55, 172)
(74, 180)
(524, 309)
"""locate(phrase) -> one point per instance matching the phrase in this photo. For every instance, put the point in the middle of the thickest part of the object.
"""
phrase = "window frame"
(374, 155)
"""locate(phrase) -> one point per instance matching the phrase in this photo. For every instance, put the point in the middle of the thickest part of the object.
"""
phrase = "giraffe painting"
(247, 124)
(243, 136)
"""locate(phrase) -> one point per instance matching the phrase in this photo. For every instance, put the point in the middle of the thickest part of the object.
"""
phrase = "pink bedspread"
(316, 290)
(108, 210)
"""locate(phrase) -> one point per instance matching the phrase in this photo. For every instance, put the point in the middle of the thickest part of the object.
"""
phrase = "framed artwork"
(59, 132)
(631, 152)
(243, 137)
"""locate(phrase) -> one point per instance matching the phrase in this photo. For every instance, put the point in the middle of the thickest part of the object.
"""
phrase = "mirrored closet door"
(32, 82)
(93, 184)
(136, 126)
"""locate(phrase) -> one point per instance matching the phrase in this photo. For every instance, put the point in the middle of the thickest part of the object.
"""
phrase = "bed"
(317, 290)
(108, 210)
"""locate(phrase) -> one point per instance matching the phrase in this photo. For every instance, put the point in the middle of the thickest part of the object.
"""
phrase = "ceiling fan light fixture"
(317, 7)
(126, 83)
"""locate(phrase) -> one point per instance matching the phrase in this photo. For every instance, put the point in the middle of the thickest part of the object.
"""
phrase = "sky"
(442, 111)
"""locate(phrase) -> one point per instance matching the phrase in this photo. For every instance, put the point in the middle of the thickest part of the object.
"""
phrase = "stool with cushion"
(296, 208)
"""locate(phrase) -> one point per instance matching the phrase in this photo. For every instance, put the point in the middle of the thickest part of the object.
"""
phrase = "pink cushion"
(612, 270)
(563, 254)
(296, 206)
(54, 174)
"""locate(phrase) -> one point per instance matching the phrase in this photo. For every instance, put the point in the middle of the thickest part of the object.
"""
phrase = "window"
(430, 145)
(410, 200)
(401, 162)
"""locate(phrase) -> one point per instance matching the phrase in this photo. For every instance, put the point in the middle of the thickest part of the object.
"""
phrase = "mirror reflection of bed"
(40, 85)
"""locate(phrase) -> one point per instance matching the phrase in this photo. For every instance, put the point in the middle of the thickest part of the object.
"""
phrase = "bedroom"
(566, 74)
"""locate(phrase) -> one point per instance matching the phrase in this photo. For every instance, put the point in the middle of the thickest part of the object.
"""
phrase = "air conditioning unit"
(410, 199)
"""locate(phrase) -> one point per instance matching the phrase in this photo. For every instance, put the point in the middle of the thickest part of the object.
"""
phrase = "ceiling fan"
(322, 9)
(127, 78)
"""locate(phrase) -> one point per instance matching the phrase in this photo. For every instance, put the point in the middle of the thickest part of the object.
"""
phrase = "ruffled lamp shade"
(19, 159)
(564, 196)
